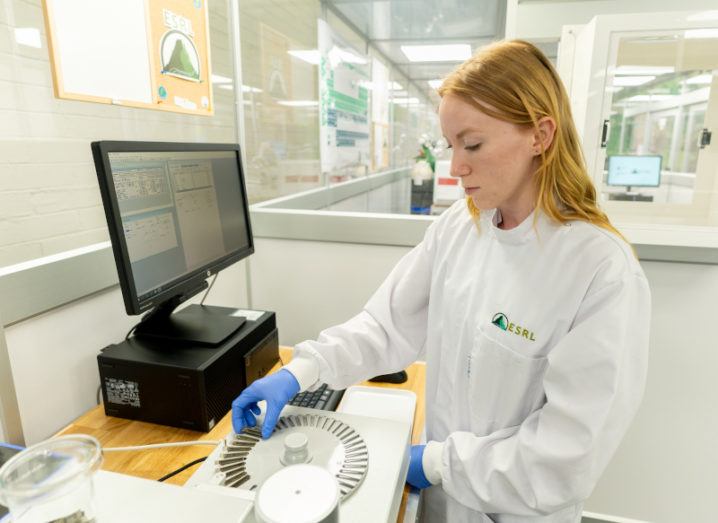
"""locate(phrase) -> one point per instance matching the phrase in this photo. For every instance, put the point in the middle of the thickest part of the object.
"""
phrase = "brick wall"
(49, 197)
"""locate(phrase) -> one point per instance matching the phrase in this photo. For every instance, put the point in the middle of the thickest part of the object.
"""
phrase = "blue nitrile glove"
(277, 389)
(416, 477)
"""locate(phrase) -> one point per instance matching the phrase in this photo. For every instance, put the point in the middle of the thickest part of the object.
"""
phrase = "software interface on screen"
(638, 171)
(179, 210)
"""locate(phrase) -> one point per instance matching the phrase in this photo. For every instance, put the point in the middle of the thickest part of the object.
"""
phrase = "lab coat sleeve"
(593, 384)
(386, 336)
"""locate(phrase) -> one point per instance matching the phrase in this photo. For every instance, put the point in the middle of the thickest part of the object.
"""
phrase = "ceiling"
(389, 24)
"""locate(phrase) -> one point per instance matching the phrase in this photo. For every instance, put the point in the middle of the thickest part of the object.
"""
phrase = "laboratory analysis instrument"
(248, 460)
(369, 457)
(309, 494)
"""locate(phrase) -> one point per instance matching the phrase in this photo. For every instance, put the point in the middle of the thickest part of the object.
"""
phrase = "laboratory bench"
(155, 463)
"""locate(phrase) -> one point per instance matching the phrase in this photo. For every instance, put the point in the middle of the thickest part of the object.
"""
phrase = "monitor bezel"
(184, 286)
(608, 169)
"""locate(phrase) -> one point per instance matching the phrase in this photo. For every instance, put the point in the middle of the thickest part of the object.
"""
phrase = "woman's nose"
(458, 168)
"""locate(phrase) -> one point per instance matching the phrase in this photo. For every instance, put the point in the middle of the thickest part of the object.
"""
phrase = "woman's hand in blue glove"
(277, 389)
(416, 477)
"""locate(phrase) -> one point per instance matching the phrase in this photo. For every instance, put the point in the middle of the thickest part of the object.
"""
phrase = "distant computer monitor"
(177, 213)
(634, 171)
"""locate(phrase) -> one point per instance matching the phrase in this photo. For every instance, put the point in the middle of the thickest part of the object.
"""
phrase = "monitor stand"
(195, 324)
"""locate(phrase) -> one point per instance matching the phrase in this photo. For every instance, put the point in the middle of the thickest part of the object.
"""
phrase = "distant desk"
(630, 197)
(153, 464)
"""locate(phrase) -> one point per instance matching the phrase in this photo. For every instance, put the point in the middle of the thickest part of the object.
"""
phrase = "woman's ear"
(544, 134)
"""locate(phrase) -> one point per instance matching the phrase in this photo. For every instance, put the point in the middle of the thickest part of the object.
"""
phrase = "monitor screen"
(634, 171)
(177, 213)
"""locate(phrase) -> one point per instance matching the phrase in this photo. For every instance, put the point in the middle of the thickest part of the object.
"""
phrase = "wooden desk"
(153, 464)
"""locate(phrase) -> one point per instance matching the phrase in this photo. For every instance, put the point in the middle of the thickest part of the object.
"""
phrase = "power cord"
(209, 288)
(182, 468)
(214, 443)
(162, 445)
(127, 337)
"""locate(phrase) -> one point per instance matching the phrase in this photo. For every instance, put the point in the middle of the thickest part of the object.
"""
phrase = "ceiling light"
(337, 55)
(405, 101)
(437, 53)
(435, 84)
(219, 79)
(395, 86)
(637, 70)
(28, 36)
(228, 85)
(298, 103)
(310, 56)
(701, 33)
(649, 97)
(625, 81)
(701, 79)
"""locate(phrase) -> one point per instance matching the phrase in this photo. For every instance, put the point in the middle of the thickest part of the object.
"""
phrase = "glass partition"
(289, 71)
(661, 91)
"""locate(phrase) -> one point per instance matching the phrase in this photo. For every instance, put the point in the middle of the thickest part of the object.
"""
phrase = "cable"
(162, 445)
(99, 389)
(209, 288)
(182, 468)
(130, 331)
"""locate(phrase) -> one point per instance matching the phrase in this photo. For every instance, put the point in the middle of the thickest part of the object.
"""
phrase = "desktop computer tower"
(184, 385)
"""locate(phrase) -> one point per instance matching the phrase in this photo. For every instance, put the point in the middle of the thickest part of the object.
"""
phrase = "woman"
(531, 308)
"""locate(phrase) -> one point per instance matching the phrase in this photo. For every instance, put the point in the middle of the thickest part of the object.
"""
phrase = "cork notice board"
(140, 53)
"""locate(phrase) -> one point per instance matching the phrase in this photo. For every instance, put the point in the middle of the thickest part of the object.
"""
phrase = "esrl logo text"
(502, 322)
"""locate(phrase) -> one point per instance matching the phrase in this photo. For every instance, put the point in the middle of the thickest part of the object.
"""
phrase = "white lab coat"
(536, 343)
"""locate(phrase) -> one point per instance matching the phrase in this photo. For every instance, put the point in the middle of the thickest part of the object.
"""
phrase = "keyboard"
(323, 398)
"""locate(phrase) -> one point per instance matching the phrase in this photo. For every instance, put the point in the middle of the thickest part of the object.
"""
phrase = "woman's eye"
(472, 147)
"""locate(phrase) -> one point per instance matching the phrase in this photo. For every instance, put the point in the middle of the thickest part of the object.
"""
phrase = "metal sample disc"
(249, 460)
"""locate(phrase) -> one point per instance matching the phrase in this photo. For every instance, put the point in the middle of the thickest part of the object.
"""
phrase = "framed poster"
(152, 54)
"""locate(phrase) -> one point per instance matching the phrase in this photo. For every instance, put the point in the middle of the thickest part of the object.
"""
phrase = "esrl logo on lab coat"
(502, 322)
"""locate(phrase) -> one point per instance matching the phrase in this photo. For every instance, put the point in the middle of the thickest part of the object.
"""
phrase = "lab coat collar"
(522, 233)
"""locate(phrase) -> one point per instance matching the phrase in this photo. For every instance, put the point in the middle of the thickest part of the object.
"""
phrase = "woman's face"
(493, 159)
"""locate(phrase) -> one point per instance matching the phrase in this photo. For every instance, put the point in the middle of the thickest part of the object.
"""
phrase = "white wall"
(4, 375)
(53, 356)
(541, 19)
(313, 285)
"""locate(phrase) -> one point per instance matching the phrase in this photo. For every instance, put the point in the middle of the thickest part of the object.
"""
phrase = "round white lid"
(298, 493)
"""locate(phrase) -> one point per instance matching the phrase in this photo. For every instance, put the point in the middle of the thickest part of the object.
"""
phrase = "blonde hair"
(513, 81)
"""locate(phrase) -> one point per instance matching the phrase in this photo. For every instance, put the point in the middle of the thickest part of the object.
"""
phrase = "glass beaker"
(52, 481)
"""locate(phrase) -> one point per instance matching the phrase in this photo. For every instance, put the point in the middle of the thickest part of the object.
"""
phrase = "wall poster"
(344, 125)
(152, 54)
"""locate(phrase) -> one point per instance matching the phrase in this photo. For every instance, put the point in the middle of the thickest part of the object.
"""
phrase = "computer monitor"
(634, 171)
(177, 213)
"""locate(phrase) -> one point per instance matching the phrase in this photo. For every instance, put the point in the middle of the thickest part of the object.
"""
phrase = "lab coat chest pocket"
(504, 385)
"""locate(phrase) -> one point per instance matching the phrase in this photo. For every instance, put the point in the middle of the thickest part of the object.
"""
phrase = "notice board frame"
(138, 26)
